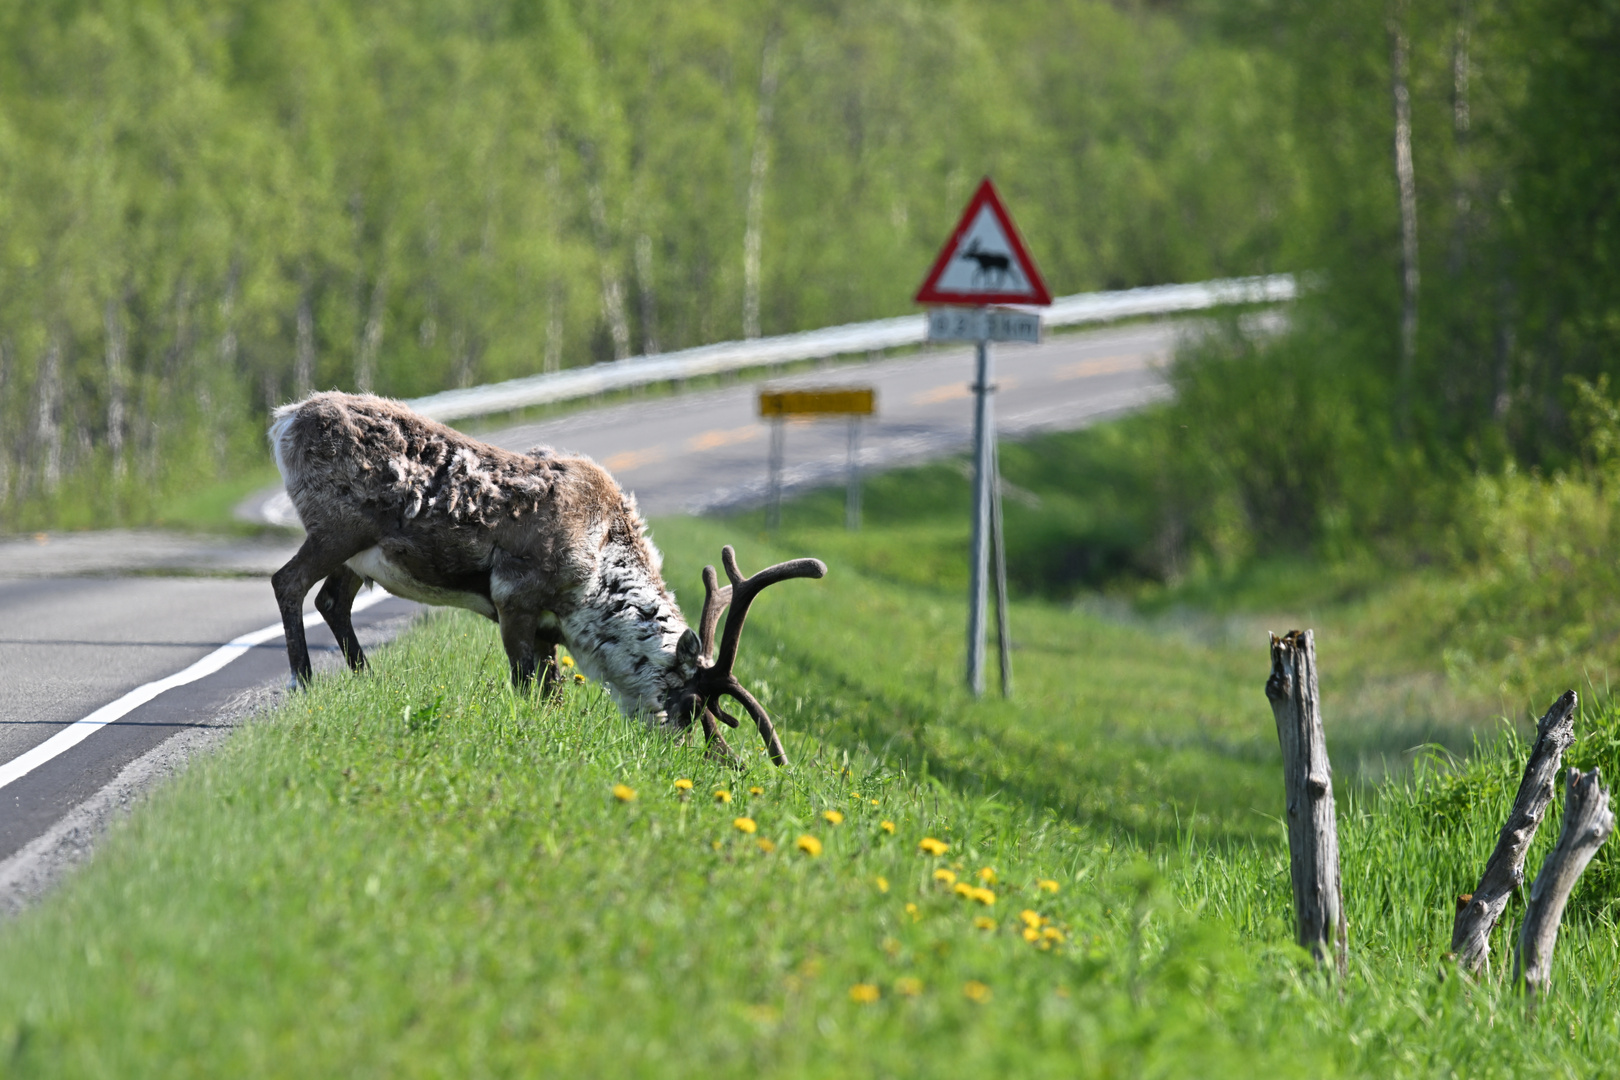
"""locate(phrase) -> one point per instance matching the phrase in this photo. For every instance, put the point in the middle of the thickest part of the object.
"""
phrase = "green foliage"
(416, 872)
(1323, 436)
(206, 209)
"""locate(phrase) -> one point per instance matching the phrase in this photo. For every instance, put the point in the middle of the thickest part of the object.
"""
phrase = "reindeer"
(545, 544)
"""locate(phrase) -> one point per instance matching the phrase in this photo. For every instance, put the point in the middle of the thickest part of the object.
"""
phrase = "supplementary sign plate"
(983, 324)
(984, 261)
(828, 401)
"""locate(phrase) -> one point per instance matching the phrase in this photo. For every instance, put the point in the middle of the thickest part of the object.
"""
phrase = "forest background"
(209, 208)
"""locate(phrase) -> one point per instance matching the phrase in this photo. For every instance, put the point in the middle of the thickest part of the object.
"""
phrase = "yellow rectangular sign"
(830, 401)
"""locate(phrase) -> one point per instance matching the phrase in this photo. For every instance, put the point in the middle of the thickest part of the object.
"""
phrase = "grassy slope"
(416, 873)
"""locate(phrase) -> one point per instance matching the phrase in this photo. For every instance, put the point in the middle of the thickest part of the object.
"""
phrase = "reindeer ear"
(687, 650)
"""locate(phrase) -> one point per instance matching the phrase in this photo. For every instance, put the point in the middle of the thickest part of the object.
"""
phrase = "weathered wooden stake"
(1587, 824)
(1313, 834)
(1477, 913)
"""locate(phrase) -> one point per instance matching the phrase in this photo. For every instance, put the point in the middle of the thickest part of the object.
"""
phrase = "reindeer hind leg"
(315, 560)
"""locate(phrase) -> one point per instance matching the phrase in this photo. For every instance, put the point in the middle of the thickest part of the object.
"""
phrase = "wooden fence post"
(1313, 835)
(1478, 912)
(1587, 823)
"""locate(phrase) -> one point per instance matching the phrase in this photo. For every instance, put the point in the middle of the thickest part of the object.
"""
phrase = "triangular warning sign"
(984, 261)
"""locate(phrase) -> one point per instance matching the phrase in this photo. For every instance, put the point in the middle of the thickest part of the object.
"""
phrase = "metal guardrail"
(863, 337)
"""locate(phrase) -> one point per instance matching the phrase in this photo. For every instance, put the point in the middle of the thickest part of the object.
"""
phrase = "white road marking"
(80, 730)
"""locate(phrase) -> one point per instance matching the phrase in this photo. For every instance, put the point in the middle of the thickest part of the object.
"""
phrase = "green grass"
(416, 872)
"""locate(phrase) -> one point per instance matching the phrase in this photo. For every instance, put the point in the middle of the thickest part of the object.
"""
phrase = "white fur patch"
(373, 564)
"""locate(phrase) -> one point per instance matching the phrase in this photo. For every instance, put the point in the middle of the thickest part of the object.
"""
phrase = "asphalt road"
(86, 618)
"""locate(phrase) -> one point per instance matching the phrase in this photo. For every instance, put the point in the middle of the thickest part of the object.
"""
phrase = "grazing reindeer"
(545, 544)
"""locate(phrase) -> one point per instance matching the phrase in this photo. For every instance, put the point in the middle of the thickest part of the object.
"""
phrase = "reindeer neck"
(624, 628)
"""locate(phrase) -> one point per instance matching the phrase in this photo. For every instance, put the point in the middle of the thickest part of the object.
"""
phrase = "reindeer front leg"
(518, 629)
(551, 675)
(335, 602)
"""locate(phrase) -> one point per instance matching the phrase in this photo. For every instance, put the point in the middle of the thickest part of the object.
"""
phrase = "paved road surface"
(86, 618)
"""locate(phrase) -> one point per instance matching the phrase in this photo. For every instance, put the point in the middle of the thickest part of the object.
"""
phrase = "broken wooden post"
(1587, 823)
(1313, 835)
(1477, 913)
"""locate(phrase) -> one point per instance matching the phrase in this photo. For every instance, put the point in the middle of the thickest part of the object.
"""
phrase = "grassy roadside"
(416, 873)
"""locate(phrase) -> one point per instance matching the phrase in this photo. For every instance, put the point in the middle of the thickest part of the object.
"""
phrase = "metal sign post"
(985, 263)
(777, 405)
(984, 521)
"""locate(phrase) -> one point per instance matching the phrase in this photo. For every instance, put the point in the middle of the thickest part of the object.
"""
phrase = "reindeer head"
(700, 696)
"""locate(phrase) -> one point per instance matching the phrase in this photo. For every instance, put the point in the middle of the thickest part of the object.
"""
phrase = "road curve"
(85, 618)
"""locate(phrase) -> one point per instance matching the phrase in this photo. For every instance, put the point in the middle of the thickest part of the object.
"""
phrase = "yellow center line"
(632, 459)
(955, 392)
(1105, 365)
(713, 440)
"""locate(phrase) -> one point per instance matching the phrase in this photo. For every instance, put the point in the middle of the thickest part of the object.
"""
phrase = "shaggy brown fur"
(545, 544)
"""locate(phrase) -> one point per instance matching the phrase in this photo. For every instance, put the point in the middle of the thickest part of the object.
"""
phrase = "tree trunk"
(48, 427)
(1407, 185)
(304, 358)
(1477, 913)
(759, 164)
(117, 346)
(365, 365)
(1313, 835)
(1587, 824)
(647, 292)
(613, 309)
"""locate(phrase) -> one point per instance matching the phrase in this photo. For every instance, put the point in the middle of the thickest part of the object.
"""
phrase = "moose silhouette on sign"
(993, 268)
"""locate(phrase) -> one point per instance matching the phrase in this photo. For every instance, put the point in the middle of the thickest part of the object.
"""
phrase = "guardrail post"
(852, 497)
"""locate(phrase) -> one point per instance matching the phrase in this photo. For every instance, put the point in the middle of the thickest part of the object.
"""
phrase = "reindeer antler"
(714, 678)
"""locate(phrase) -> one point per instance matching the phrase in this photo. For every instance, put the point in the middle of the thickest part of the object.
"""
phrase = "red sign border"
(929, 292)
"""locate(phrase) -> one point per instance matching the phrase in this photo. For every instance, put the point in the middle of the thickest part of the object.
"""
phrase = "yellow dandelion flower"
(809, 845)
(987, 875)
(864, 993)
(832, 817)
(683, 784)
(1047, 885)
(887, 826)
(624, 793)
(766, 844)
(945, 876)
(984, 922)
(721, 795)
(1030, 918)
(881, 882)
(983, 896)
(931, 846)
(715, 844)
(1031, 934)
(1052, 933)
(855, 795)
(874, 802)
(911, 909)
(906, 986)
(568, 661)
(756, 790)
(964, 890)
(578, 677)
(976, 991)
(744, 824)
